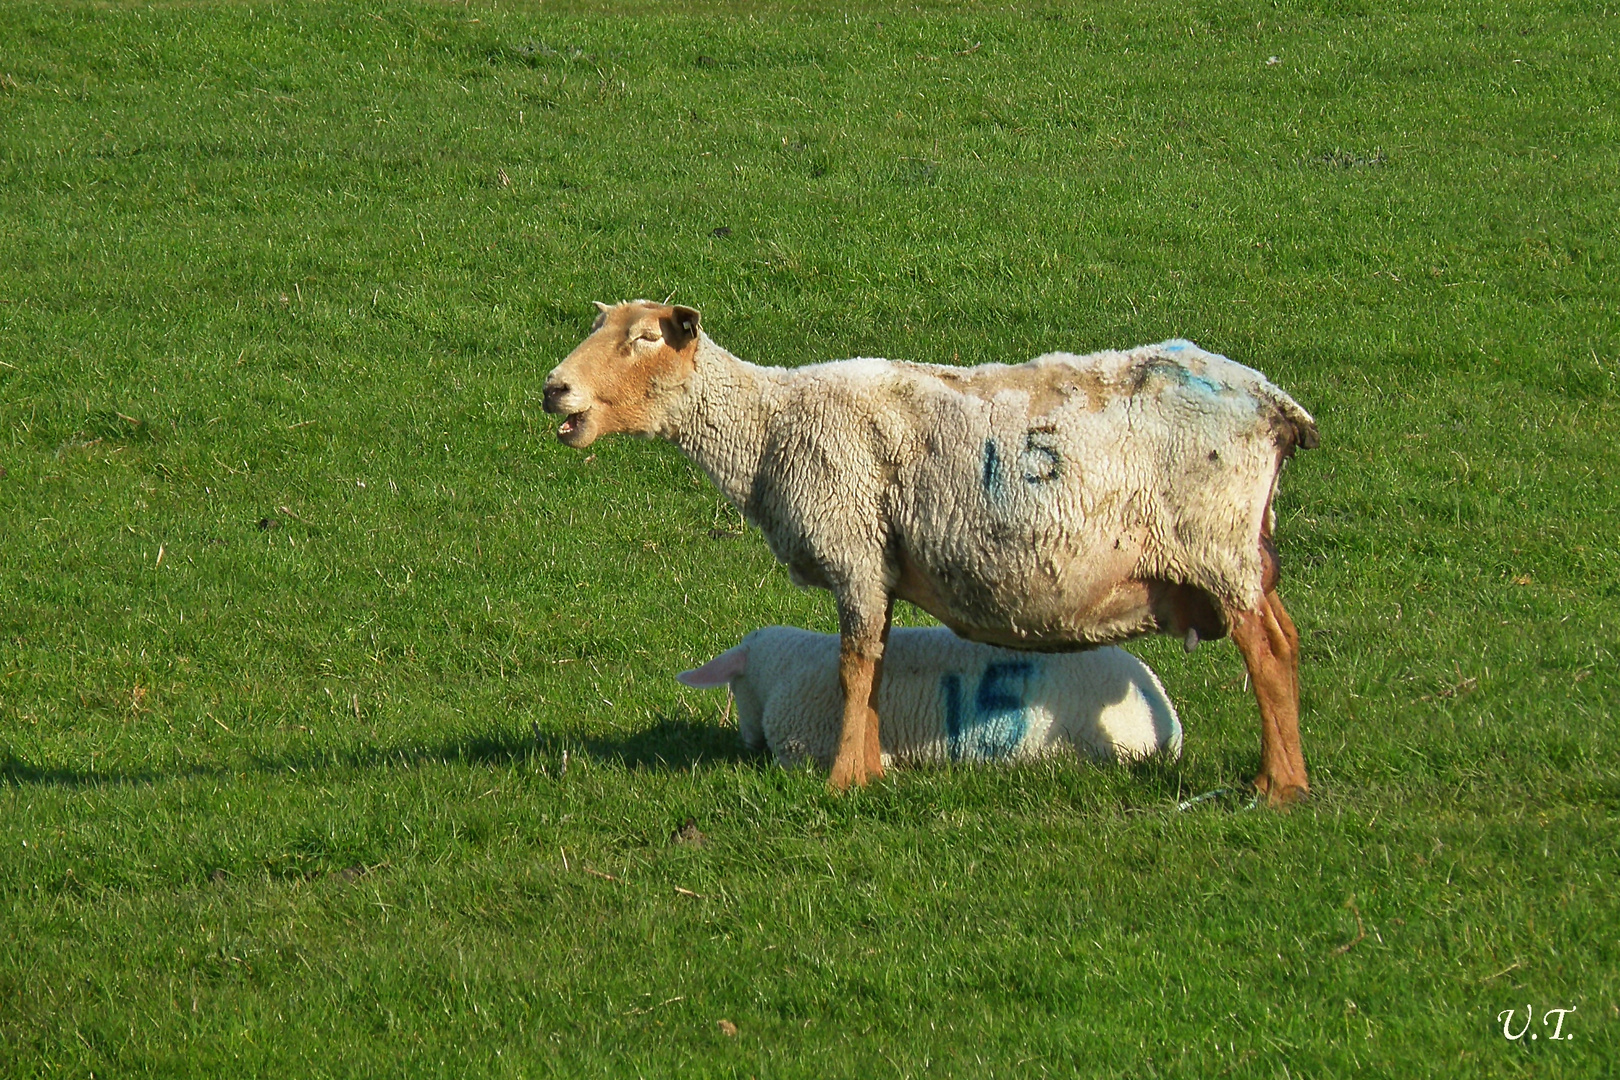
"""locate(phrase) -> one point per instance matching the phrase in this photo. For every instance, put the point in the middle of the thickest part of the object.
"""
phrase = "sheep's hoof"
(844, 775)
(1280, 796)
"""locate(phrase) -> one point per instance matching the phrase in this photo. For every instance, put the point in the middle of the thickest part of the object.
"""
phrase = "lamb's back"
(946, 699)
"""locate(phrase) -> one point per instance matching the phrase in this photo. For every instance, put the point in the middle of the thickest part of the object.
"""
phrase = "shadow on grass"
(669, 744)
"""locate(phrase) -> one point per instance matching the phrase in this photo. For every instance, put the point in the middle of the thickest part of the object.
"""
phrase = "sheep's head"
(623, 377)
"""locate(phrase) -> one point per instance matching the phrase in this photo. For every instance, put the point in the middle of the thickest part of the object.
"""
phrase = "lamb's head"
(627, 374)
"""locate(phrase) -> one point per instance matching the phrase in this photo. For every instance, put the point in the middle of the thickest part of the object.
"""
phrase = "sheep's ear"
(717, 672)
(601, 315)
(680, 326)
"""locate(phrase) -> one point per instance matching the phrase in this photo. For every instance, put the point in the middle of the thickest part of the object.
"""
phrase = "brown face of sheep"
(621, 377)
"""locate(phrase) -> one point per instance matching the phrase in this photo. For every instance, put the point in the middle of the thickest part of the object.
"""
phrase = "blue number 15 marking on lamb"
(997, 723)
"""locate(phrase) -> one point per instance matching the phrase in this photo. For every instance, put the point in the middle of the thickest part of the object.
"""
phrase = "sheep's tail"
(1295, 427)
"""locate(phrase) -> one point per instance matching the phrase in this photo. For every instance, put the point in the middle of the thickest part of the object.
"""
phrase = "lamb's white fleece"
(945, 699)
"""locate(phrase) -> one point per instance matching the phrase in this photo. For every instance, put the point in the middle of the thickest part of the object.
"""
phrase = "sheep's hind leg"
(1270, 647)
(874, 745)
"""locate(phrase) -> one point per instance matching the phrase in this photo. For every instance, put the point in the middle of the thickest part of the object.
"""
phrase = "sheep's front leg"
(860, 665)
(1270, 647)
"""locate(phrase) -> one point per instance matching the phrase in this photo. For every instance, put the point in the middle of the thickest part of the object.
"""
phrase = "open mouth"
(573, 425)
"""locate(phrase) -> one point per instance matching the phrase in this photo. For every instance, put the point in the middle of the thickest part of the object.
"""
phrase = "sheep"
(1056, 505)
(945, 699)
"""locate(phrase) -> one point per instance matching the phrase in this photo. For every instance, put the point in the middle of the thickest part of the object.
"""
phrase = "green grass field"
(301, 603)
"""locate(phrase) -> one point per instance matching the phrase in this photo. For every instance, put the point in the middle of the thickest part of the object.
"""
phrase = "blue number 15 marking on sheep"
(1038, 463)
(997, 723)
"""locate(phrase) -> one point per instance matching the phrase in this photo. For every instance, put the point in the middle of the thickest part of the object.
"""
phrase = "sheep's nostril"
(554, 394)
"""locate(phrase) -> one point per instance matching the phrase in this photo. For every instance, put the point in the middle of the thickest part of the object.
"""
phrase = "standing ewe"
(945, 699)
(1055, 505)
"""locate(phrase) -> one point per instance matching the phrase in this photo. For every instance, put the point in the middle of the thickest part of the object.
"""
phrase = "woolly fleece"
(1023, 506)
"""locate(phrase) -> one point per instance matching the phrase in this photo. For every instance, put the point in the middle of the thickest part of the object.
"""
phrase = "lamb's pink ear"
(717, 672)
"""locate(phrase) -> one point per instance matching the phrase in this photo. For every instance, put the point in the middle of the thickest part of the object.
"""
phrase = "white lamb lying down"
(945, 699)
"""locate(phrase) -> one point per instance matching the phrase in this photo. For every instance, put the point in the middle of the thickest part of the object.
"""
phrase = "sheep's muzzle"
(576, 429)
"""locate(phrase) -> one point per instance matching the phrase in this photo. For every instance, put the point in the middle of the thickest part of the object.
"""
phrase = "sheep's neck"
(723, 425)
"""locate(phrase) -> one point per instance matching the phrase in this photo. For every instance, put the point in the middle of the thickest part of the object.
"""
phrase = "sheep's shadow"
(673, 744)
(670, 744)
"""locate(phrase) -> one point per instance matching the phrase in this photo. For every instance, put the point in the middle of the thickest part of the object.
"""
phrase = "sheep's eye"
(650, 335)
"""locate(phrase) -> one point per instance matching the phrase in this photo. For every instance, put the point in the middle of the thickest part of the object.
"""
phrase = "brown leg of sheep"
(856, 671)
(860, 666)
(1270, 647)
(874, 746)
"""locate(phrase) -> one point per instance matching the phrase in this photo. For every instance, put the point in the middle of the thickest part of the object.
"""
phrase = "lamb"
(1056, 505)
(945, 699)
